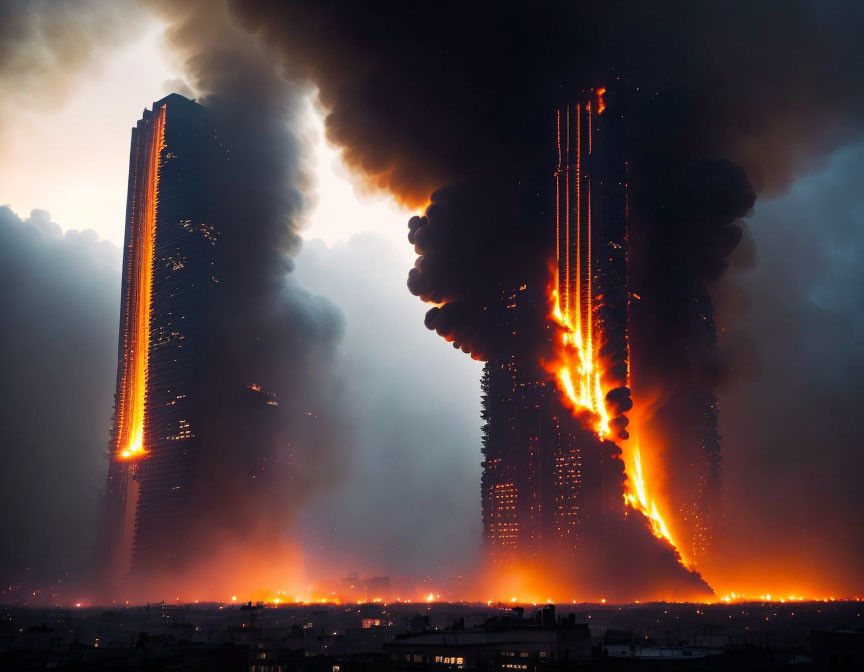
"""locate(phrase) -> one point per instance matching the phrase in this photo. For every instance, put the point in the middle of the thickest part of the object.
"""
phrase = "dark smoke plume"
(59, 306)
(461, 97)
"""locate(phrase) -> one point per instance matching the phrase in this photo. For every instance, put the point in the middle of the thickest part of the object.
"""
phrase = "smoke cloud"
(59, 298)
(437, 100)
(792, 447)
(46, 46)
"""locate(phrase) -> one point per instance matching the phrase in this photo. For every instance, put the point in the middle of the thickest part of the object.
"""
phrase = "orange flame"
(586, 396)
(578, 368)
(601, 104)
(132, 408)
(637, 497)
(578, 374)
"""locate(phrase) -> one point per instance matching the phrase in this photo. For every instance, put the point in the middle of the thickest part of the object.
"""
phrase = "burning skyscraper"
(170, 281)
(550, 475)
(555, 438)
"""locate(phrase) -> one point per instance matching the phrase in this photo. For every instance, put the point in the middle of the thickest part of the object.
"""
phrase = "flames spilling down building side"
(170, 284)
(553, 478)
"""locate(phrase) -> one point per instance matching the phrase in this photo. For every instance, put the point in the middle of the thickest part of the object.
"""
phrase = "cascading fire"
(131, 405)
(578, 375)
(577, 366)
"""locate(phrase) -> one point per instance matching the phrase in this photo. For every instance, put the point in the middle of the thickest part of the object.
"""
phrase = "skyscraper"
(549, 478)
(169, 276)
(554, 429)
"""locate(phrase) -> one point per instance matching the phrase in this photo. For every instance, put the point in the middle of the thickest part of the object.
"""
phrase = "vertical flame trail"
(132, 407)
(637, 498)
(578, 368)
(579, 373)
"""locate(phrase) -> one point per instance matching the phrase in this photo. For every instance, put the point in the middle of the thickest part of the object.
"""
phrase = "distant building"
(501, 644)
(838, 650)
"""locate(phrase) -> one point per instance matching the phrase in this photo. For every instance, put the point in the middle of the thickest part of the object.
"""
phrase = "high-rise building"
(549, 478)
(169, 276)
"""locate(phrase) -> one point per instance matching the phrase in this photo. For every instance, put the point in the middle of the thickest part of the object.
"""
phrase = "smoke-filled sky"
(407, 495)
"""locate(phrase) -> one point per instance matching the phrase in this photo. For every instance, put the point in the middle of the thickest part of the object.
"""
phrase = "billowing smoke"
(793, 464)
(428, 99)
(46, 47)
(60, 299)
(457, 100)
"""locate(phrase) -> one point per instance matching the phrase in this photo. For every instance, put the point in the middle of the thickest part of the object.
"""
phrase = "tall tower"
(169, 277)
(549, 477)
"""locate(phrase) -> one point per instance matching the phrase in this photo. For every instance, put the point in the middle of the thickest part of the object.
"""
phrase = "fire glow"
(587, 398)
(131, 408)
(577, 367)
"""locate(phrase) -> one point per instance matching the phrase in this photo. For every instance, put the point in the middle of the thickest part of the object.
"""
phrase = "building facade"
(551, 473)
(169, 276)
(548, 475)
(503, 643)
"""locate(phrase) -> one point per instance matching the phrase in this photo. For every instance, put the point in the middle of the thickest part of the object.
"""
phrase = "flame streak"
(578, 369)
(601, 104)
(579, 374)
(641, 502)
(134, 392)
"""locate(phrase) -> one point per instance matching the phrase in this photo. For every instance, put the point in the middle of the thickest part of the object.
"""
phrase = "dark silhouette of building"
(503, 643)
(838, 649)
(702, 482)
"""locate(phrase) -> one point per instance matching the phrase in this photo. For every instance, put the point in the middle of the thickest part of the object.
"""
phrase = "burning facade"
(556, 436)
(550, 472)
(170, 277)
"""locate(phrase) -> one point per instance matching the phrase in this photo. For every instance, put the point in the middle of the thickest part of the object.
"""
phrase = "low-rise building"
(501, 644)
